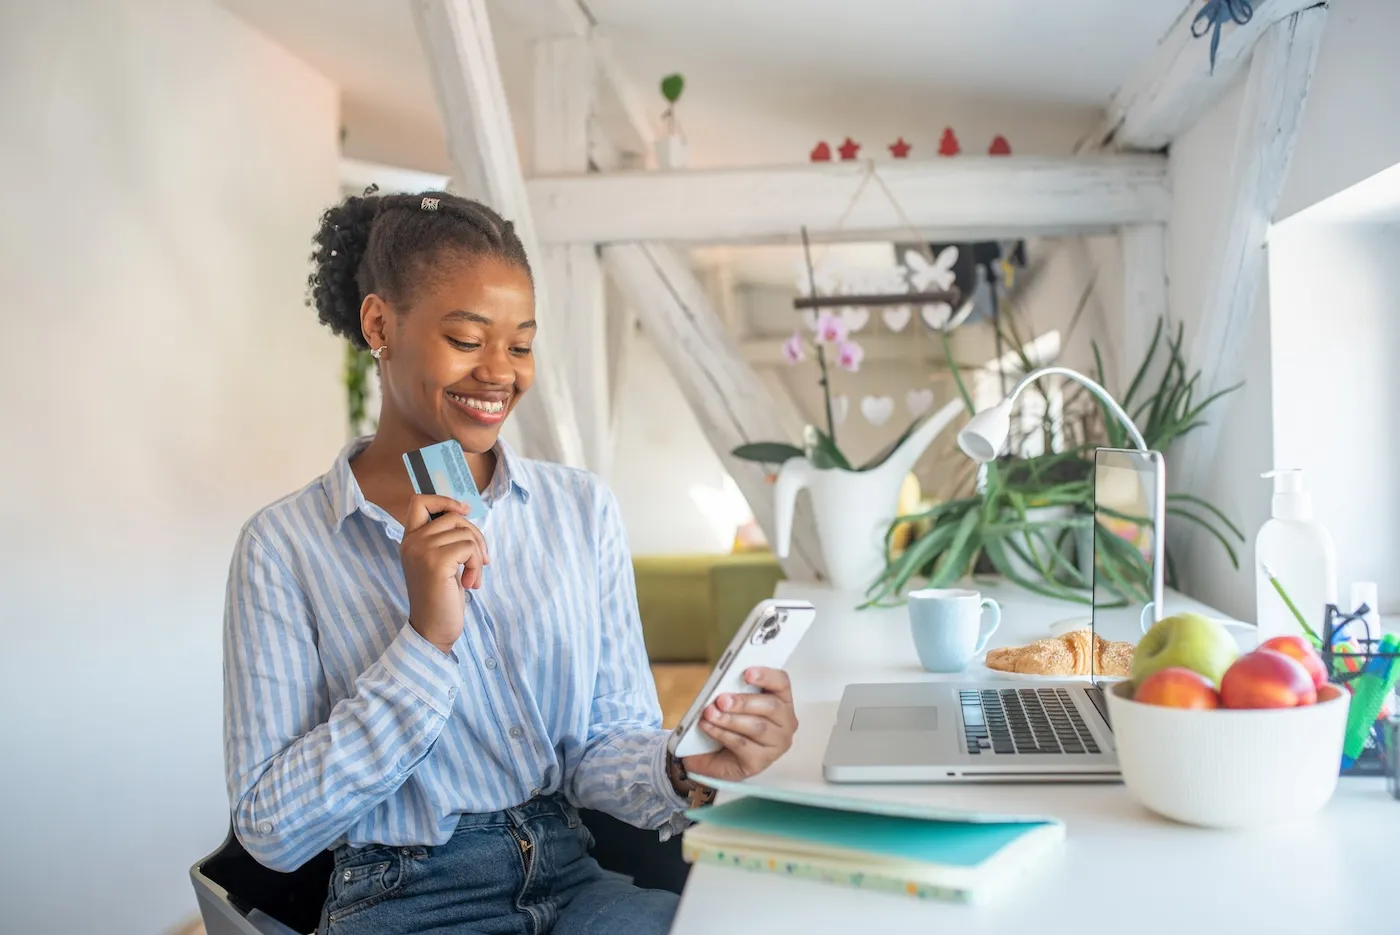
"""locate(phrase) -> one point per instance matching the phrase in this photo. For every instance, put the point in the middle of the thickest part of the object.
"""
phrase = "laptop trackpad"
(910, 717)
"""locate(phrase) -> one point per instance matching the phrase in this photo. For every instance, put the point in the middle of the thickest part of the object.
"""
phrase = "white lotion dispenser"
(1300, 553)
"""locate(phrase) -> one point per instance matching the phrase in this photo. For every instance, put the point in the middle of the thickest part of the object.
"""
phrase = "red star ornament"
(1000, 147)
(900, 149)
(848, 149)
(821, 152)
(948, 145)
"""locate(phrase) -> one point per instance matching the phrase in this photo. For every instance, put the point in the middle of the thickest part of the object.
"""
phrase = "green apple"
(1190, 640)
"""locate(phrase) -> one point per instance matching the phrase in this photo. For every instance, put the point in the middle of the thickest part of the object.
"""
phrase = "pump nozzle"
(1291, 501)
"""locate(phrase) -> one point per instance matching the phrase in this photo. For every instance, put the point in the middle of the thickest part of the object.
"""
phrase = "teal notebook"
(925, 858)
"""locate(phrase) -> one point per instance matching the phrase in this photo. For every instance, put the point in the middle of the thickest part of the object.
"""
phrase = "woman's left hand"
(754, 729)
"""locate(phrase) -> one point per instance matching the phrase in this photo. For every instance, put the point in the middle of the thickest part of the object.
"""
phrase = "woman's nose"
(495, 366)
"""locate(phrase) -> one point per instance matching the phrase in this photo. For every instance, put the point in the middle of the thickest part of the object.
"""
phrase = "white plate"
(998, 675)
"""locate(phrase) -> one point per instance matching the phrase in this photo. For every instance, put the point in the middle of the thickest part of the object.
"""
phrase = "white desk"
(1122, 868)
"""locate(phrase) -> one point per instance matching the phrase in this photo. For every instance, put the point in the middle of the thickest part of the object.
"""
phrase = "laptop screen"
(1129, 512)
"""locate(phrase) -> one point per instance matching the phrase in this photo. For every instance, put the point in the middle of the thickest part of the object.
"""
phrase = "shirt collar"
(346, 498)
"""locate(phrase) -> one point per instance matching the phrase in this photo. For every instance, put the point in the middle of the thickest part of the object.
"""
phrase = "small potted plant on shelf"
(672, 149)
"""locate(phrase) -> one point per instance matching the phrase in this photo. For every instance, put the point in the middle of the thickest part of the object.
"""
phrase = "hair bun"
(341, 242)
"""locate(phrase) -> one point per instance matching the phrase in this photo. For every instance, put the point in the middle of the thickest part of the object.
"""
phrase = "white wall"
(164, 168)
(1350, 130)
(1335, 337)
(1347, 133)
(662, 456)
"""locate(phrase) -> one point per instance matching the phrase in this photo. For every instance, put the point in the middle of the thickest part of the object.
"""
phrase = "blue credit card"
(441, 469)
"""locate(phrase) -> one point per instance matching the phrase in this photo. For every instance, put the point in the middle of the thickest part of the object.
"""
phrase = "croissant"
(1070, 654)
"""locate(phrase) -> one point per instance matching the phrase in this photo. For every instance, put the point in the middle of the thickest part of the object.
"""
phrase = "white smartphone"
(769, 635)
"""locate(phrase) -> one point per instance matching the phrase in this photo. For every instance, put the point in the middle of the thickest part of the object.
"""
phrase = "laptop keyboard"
(1024, 720)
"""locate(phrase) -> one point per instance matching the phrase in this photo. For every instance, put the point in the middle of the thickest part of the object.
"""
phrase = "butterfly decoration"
(938, 274)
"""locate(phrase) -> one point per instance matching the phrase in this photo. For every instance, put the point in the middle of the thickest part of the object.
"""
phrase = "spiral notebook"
(927, 858)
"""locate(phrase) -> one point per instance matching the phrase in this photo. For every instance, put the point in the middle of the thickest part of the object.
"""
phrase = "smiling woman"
(436, 723)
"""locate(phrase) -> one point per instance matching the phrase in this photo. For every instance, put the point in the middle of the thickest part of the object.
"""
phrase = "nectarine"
(1300, 649)
(1267, 678)
(1177, 687)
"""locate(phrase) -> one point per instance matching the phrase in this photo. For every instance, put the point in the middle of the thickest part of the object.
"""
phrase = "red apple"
(1267, 678)
(1299, 648)
(1177, 687)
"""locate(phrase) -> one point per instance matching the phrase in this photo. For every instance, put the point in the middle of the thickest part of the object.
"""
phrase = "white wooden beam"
(1177, 86)
(1143, 248)
(565, 98)
(730, 402)
(1274, 98)
(947, 198)
(456, 37)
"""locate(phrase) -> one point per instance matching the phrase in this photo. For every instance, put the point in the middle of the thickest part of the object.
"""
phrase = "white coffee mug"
(948, 628)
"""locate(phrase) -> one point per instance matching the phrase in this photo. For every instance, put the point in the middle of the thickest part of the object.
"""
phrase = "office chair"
(239, 896)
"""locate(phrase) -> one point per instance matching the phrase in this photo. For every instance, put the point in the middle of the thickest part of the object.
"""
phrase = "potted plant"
(672, 149)
(853, 503)
(994, 529)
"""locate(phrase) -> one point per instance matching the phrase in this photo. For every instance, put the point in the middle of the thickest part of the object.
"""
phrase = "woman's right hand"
(432, 551)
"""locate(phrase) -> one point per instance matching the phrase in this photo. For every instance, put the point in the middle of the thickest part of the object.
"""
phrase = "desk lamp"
(985, 433)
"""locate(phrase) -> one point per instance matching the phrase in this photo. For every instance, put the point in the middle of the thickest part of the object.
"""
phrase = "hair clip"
(430, 204)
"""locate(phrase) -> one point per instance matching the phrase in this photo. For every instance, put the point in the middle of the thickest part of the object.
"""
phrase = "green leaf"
(767, 452)
(890, 449)
(671, 87)
(1003, 565)
(957, 376)
(953, 565)
(1143, 367)
(822, 451)
(1173, 498)
(1201, 521)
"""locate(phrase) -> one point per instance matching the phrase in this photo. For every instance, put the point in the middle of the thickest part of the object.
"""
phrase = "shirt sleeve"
(623, 768)
(300, 771)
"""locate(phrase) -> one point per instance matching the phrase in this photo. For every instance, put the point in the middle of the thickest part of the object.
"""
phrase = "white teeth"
(489, 406)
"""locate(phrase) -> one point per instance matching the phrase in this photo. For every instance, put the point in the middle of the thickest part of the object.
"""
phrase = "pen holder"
(1368, 669)
(1392, 778)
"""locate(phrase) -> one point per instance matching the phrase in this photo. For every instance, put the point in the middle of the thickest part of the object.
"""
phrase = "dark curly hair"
(383, 243)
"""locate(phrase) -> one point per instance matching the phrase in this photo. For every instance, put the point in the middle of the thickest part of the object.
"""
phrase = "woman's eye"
(520, 351)
(464, 345)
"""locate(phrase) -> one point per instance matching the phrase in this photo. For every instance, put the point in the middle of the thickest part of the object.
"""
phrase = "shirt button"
(490, 662)
(452, 693)
(348, 876)
(516, 733)
(264, 827)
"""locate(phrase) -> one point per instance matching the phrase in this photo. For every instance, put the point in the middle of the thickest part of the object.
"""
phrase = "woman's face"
(459, 359)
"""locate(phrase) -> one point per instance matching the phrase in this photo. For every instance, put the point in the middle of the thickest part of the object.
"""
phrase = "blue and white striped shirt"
(343, 725)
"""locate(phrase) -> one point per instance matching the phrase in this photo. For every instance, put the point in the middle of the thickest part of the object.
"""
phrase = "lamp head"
(985, 433)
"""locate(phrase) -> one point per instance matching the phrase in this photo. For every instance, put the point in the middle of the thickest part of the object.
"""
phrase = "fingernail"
(724, 702)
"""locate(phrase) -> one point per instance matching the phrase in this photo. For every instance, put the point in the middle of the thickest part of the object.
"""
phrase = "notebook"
(927, 858)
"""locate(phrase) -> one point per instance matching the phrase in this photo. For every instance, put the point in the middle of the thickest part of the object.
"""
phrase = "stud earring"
(378, 351)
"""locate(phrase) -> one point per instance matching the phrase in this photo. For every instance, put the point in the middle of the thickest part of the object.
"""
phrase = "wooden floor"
(677, 686)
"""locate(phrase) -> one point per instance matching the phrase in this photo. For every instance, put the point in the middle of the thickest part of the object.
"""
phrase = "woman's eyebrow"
(480, 319)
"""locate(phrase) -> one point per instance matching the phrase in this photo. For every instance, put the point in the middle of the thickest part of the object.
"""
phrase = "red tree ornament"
(1000, 147)
(848, 149)
(821, 152)
(900, 149)
(948, 145)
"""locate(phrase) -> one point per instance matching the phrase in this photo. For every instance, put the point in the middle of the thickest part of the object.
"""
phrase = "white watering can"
(854, 509)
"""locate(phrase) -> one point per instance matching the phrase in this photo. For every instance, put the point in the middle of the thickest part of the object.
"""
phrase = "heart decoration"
(877, 409)
(918, 401)
(936, 315)
(821, 152)
(840, 406)
(896, 317)
(855, 317)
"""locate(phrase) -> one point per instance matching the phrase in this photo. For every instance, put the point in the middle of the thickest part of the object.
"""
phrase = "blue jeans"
(523, 871)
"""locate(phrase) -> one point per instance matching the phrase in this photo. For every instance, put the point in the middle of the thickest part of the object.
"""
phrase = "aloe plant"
(992, 529)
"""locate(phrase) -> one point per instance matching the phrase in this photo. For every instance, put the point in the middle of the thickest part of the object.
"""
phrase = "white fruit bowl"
(1230, 768)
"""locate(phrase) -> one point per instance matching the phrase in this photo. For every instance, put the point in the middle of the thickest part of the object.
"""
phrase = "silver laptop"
(1021, 731)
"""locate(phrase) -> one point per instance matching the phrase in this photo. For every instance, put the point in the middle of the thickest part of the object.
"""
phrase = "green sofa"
(692, 604)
